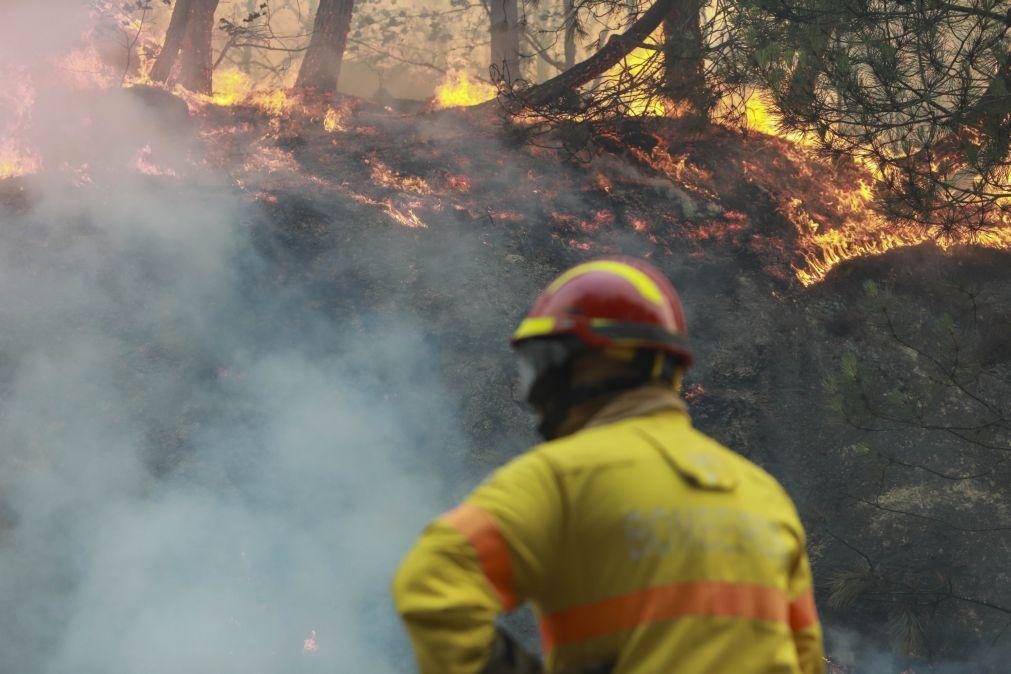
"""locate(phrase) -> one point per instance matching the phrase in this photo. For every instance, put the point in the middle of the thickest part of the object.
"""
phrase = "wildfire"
(16, 101)
(680, 170)
(640, 64)
(458, 90)
(334, 120)
(13, 164)
(309, 644)
(144, 164)
(402, 216)
(831, 215)
(384, 176)
(865, 232)
(84, 68)
(230, 87)
(274, 103)
(460, 183)
(693, 392)
(759, 116)
(876, 236)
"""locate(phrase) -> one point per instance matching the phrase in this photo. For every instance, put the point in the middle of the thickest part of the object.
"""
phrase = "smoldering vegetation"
(201, 469)
(233, 389)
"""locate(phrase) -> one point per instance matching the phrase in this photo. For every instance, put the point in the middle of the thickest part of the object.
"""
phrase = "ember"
(401, 215)
(145, 166)
(333, 121)
(309, 644)
(386, 177)
(16, 100)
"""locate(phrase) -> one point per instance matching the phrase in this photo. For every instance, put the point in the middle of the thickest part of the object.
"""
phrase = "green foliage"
(848, 586)
(921, 483)
(918, 88)
(907, 630)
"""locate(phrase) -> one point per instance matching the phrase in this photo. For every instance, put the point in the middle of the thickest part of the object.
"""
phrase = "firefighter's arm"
(484, 557)
(807, 636)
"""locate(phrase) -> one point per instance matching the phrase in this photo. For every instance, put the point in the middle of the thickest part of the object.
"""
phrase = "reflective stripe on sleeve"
(803, 613)
(655, 604)
(481, 531)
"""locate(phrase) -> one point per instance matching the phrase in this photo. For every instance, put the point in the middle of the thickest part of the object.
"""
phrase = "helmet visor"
(536, 357)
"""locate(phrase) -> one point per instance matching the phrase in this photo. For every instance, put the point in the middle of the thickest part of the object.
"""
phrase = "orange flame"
(230, 87)
(309, 644)
(16, 102)
(144, 164)
(865, 232)
(458, 90)
(386, 177)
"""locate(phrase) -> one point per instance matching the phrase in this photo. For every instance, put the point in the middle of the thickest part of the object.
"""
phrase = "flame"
(404, 216)
(309, 644)
(13, 163)
(274, 103)
(458, 90)
(460, 183)
(230, 87)
(864, 232)
(334, 121)
(641, 64)
(84, 68)
(384, 176)
(760, 116)
(680, 170)
(693, 392)
(16, 101)
(144, 165)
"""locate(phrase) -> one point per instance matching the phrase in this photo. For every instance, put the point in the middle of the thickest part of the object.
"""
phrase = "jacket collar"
(637, 403)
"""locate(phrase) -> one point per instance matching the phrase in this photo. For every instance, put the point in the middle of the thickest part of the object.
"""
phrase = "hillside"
(282, 301)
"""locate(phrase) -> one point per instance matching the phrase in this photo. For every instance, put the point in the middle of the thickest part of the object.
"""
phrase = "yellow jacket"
(639, 541)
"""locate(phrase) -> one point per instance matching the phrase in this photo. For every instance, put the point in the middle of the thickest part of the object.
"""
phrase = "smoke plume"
(201, 470)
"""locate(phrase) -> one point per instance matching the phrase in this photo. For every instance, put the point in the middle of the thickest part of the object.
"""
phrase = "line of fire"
(261, 262)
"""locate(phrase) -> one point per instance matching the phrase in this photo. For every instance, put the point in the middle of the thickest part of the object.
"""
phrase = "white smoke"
(200, 471)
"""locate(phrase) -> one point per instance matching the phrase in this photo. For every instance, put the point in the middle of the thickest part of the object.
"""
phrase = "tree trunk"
(162, 68)
(570, 33)
(187, 47)
(684, 80)
(321, 66)
(195, 65)
(617, 48)
(505, 38)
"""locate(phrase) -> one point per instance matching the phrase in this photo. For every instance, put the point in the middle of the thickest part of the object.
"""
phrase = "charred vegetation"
(848, 303)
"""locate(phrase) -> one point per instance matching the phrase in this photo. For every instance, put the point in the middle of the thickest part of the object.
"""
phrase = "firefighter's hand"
(509, 657)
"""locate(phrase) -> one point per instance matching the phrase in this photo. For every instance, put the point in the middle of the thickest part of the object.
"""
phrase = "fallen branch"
(616, 49)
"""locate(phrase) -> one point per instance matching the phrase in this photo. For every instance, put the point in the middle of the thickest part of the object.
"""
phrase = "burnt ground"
(454, 220)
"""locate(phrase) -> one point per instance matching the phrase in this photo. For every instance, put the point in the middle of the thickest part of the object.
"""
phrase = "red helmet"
(611, 303)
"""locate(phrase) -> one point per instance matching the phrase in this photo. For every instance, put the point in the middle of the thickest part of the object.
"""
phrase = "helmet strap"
(569, 398)
(651, 365)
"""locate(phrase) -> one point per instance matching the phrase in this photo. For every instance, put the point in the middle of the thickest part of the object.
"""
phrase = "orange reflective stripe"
(803, 613)
(483, 534)
(708, 598)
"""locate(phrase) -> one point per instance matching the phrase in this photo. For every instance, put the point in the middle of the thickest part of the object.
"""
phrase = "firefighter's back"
(677, 555)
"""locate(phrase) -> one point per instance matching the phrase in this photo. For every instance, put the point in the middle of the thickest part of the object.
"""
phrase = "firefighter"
(644, 546)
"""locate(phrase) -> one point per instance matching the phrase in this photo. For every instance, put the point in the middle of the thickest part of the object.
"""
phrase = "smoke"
(201, 470)
(864, 652)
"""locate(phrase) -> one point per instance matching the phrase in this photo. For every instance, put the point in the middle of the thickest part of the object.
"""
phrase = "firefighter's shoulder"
(595, 447)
